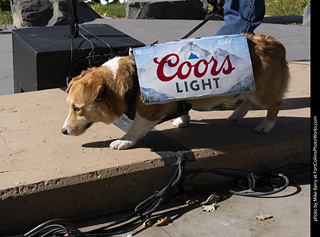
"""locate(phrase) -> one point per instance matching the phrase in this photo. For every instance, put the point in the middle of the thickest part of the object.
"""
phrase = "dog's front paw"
(121, 144)
(265, 126)
(233, 118)
(181, 122)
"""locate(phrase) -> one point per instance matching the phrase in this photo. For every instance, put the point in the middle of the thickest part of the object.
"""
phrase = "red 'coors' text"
(172, 60)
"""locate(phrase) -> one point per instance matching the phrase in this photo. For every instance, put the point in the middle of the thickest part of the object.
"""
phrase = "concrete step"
(45, 175)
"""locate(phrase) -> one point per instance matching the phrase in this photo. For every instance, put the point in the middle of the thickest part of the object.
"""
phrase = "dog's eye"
(76, 109)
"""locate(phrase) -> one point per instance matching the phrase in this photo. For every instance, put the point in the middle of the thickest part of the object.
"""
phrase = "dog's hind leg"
(241, 111)
(269, 121)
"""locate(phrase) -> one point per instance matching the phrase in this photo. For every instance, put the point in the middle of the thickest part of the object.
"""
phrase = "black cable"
(256, 179)
(58, 229)
(58, 224)
(91, 54)
(147, 207)
(98, 38)
(211, 15)
(218, 170)
(68, 78)
(259, 194)
(106, 231)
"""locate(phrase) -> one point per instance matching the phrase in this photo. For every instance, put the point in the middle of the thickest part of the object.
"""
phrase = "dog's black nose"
(65, 131)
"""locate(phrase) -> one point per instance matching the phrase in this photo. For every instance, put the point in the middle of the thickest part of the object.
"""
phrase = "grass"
(285, 7)
(113, 10)
(5, 13)
(5, 16)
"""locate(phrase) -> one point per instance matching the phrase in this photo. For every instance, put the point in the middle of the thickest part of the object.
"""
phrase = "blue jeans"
(242, 16)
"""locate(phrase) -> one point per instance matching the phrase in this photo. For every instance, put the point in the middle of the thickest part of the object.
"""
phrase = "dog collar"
(131, 97)
(183, 106)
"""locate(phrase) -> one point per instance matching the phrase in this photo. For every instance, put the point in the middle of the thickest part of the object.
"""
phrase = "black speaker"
(42, 56)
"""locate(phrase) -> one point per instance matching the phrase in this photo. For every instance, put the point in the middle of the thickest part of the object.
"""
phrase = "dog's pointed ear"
(92, 91)
(131, 52)
(72, 82)
(69, 87)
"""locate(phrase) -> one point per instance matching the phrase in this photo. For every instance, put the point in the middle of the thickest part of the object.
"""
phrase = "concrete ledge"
(45, 175)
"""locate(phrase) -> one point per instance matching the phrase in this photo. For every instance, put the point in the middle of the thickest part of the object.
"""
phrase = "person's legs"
(242, 16)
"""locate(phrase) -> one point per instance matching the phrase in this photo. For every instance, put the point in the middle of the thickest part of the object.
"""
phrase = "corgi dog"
(100, 94)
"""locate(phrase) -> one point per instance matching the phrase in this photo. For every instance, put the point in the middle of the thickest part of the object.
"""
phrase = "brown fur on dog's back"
(271, 72)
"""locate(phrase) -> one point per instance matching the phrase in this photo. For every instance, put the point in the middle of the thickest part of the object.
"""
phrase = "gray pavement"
(295, 38)
(6, 63)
